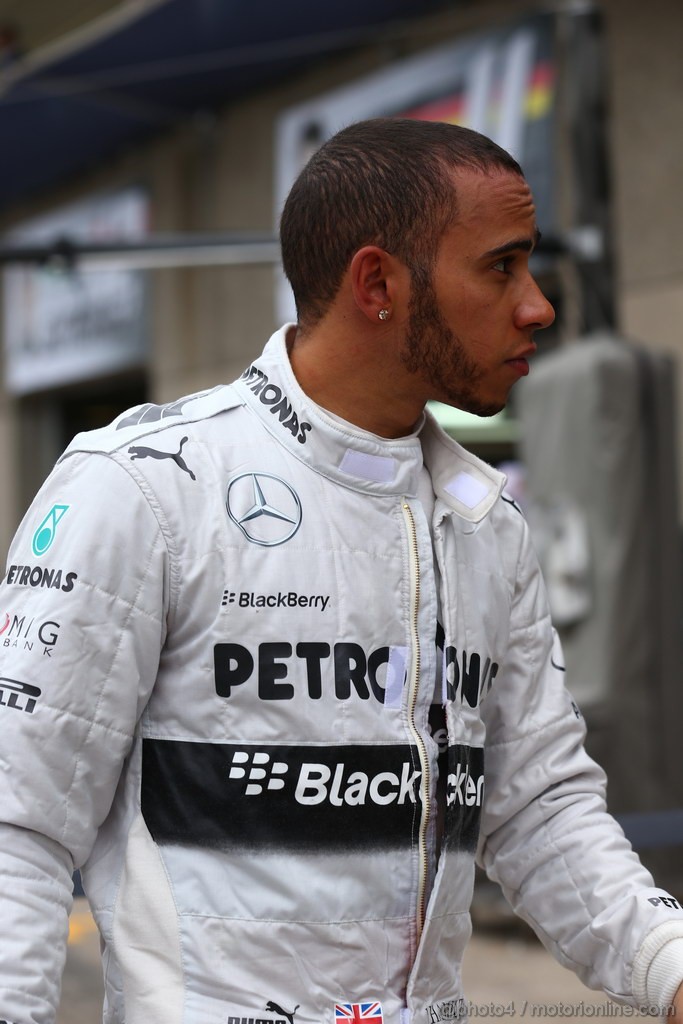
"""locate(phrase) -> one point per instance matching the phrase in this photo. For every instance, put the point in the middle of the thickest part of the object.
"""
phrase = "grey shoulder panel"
(147, 419)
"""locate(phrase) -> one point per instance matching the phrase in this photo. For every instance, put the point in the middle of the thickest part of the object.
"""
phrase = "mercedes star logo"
(264, 507)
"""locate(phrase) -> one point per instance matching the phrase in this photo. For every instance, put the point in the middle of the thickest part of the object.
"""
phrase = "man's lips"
(520, 363)
(521, 366)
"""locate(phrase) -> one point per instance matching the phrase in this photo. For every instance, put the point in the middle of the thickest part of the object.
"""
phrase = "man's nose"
(534, 310)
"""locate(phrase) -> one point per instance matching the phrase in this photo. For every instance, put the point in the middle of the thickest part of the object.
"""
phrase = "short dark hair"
(385, 182)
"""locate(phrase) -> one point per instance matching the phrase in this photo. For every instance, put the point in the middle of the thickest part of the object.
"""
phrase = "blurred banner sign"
(500, 83)
(62, 326)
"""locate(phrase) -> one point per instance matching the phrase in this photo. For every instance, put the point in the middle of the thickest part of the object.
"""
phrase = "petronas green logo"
(45, 534)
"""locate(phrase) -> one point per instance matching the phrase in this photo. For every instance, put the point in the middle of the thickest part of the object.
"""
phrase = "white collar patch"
(467, 489)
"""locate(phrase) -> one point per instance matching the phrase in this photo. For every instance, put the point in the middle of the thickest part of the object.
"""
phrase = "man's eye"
(503, 265)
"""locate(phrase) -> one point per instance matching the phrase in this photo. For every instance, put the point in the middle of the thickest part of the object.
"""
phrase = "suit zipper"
(413, 688)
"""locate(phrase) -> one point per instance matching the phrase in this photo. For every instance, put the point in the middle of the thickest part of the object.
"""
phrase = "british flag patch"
(358, 1013)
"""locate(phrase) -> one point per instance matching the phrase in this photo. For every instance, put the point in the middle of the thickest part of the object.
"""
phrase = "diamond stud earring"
(384, 314)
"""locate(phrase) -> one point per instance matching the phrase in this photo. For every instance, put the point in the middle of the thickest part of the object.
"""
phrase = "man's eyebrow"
(516, 244)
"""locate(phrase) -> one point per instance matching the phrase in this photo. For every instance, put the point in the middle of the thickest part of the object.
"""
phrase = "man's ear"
(376, 282)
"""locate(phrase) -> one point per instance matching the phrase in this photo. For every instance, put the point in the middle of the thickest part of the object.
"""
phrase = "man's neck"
(348, 374)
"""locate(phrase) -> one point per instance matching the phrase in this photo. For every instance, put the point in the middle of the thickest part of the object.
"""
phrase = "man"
(258, 599)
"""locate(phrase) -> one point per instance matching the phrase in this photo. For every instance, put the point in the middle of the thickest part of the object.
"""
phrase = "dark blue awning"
(142, 73)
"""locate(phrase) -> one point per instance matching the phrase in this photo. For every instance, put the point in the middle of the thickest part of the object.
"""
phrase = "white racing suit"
(219, 636)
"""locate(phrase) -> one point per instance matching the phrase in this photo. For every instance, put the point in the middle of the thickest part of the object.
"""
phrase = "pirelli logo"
(18, 696)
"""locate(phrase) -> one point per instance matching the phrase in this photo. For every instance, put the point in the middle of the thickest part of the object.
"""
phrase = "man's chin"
(488, 410)
(475, 407)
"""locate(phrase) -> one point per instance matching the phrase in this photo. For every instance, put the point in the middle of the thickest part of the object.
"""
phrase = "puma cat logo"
(140, 452)
(274, 1008)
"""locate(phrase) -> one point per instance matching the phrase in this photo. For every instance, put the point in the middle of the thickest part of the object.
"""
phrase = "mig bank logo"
(21, 633)
(264, 508)
(45, 534)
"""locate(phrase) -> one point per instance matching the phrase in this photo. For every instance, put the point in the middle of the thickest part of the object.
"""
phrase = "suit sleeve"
(562, 861)
(82, 620)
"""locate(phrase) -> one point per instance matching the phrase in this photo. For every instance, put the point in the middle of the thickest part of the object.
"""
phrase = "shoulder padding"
(147, 419)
